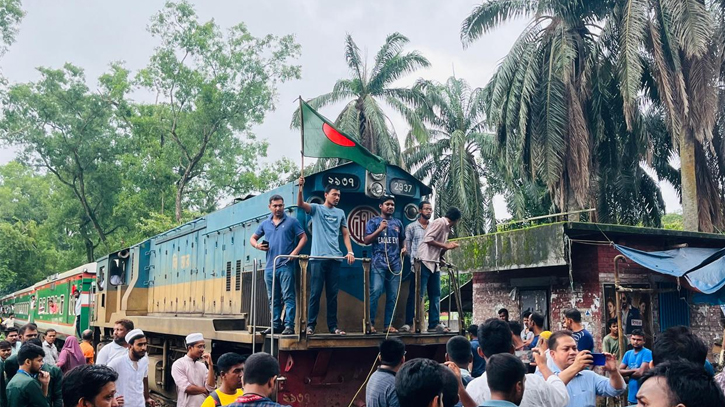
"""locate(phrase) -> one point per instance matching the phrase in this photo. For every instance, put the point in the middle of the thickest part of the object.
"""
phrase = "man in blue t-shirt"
(385, 234)
(635, 363)
(573, 322)
(281, 232)
(328, 222)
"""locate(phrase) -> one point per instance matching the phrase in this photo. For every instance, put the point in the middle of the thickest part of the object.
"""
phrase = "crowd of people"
(501, 363)
(558, 373)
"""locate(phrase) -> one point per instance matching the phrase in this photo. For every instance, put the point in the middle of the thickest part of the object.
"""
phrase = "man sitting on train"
(281, 232)
(328, 222)
(118, 347)
(385, 233)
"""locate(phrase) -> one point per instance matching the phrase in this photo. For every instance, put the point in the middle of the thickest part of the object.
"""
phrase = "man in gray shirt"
(414, 234)
(328, 222)
(380, 390)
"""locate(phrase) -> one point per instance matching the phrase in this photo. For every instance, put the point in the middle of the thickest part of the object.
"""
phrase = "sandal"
(392, 330)
(373, 330)
(338, 331)
(310, 330)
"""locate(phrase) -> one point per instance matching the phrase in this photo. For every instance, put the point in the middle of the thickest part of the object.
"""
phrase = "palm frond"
(491, 14)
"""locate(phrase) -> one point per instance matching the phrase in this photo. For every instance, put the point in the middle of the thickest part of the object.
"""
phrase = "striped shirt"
(414, 234)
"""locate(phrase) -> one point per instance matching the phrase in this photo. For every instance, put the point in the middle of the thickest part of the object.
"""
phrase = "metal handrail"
(303, 290)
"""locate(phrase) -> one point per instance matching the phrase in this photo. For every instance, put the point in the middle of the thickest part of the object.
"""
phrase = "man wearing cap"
(194, 380)
(133, 382)
(385, 233)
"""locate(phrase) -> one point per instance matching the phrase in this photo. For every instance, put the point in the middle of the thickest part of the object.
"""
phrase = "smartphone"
(600, 359)
(264, 243)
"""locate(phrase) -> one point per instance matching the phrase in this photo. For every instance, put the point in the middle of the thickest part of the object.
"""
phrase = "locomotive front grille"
(262, 304)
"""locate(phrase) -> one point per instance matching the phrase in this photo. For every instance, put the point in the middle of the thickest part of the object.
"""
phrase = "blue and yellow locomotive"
(204, 276)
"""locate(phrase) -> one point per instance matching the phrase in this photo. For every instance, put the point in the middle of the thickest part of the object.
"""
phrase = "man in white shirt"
(51, 351)
(118, 347)
(132, 369)
(547, 391)
(194, 380)
(77, 310)
(10, 322)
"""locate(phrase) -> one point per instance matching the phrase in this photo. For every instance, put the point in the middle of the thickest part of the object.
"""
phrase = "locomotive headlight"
(377, 177)
(411, 211)
(376, 190)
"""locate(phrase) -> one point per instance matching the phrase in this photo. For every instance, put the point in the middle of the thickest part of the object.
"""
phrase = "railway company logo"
(357, 220)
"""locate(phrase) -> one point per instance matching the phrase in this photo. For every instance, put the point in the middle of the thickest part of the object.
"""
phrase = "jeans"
(284, 290)
(431, 281)
(379, 279)
(327, 273)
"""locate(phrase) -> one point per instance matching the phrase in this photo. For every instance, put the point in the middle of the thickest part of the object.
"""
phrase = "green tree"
(66, 129)
(11, 14)
(459, 153)
(363, 116)
(211, 88)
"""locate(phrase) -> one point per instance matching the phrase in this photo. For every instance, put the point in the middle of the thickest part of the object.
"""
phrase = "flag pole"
(302, 137)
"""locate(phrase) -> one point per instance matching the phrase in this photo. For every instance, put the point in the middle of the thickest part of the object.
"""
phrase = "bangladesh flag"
(320, 139)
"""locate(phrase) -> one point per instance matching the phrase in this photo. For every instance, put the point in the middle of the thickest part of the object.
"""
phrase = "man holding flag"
(321, 139)
(328, 222)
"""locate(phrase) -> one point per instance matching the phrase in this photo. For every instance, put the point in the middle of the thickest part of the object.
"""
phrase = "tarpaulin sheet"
(704, 268)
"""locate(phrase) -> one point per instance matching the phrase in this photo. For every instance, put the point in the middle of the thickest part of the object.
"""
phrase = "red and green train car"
(50, 303)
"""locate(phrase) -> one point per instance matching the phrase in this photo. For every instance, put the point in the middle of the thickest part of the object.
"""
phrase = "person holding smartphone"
(281, 232)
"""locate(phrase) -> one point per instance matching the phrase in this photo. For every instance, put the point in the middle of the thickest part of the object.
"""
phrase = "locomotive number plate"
(400, 186)
(342, 181)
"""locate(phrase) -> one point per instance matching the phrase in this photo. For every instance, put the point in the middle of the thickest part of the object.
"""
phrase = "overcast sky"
(91, 34)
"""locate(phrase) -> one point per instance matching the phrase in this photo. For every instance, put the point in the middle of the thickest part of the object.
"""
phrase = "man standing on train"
(414, 234)
(281, 232)
(328, 222)
(430, 251)
(385, 234)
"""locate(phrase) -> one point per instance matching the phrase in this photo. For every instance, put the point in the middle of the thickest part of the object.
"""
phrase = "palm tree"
(559, 114)
(680, 63)
(539, 94)
(363, 117)
(457, 158)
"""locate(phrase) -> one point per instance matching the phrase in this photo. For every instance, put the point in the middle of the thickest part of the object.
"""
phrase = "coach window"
(62, 303)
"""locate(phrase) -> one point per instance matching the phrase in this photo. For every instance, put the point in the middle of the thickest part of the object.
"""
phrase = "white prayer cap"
(193, 338)
(134, 333)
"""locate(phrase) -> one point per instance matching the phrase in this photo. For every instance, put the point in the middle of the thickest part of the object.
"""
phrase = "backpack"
(214, 396)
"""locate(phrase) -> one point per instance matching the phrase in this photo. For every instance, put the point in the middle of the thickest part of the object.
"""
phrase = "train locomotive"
(204, 276)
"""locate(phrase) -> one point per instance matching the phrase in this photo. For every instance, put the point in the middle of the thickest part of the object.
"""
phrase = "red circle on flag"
(336, 137)
(357, 220)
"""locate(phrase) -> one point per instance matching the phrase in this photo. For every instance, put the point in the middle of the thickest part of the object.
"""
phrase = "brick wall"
(592, 269)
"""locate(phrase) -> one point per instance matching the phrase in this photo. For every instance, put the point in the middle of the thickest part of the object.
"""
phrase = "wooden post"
(366, 296)
(302, 314)
(618, 303)
(418, 300)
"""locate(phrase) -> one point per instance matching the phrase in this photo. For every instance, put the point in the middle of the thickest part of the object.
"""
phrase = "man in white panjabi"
(132, 385)
(193, 373)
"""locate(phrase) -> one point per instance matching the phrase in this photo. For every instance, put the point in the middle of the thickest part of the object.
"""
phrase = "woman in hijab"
(71, 355)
